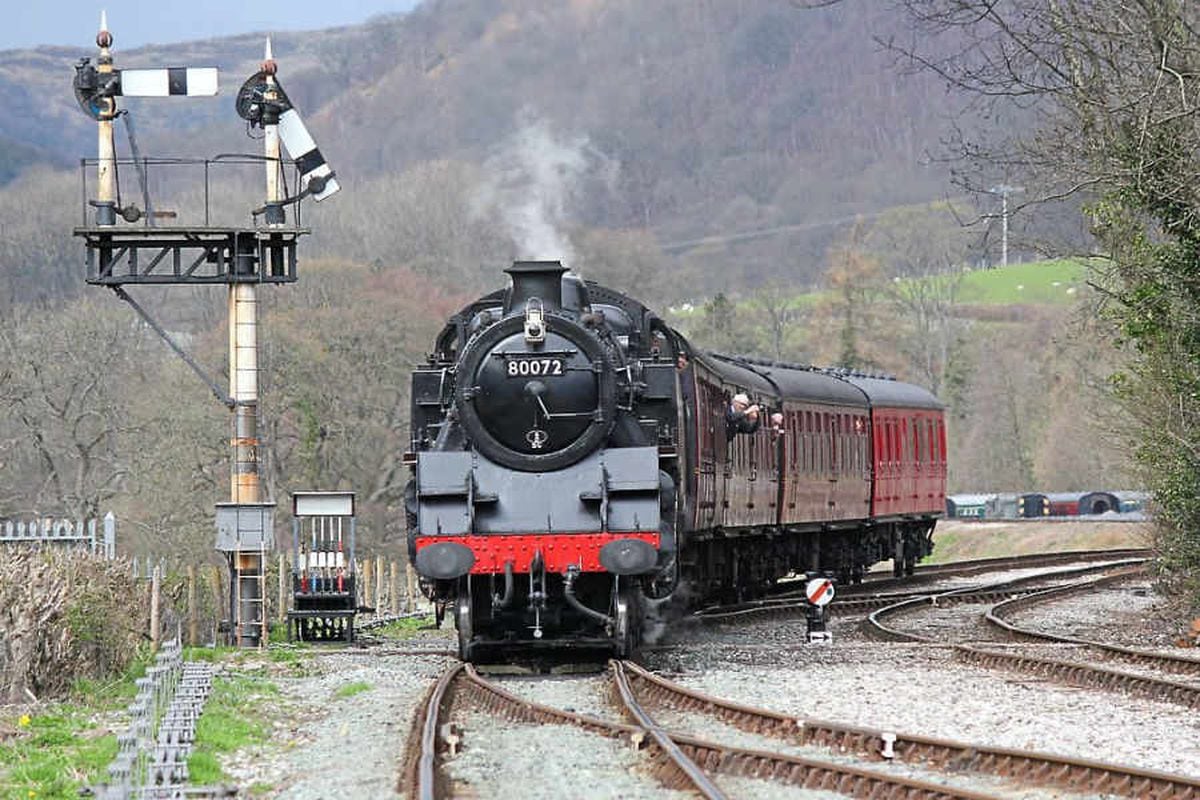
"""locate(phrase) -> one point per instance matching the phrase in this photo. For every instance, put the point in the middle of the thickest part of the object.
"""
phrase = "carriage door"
(711, 433)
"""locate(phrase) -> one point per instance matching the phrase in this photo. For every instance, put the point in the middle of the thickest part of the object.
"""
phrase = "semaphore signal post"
(127, 246)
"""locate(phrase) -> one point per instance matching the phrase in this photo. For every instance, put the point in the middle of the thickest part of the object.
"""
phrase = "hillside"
(670, 120)
(732, 154)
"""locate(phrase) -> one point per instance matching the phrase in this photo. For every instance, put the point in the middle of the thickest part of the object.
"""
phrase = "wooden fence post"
(394, 590)
(218, 601)
(155, 590)
(368, 584)
(410, 576)
(283, 603)
(192, 607)
(379, 578)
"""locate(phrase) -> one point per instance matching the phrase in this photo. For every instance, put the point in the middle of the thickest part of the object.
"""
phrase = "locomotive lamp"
(535, 321)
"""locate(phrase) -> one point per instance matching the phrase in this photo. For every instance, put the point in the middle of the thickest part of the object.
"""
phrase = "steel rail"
(1071, 672)
(997, 616)
(780, 607)
(978, 565)
(675, 755)
(928, 572)
(874, 622)
(1034, 767)
(713, 757)
(421, 773)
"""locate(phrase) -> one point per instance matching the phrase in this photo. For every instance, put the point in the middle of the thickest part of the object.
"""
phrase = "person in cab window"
(741, 417)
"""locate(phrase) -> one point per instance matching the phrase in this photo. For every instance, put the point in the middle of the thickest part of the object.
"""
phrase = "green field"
(1042, 282)
(1054, 282)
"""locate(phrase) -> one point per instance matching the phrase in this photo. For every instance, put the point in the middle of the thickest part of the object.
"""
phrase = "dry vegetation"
(64, 616)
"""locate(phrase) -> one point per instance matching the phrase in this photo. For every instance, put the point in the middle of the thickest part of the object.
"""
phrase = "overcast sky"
(28, 23)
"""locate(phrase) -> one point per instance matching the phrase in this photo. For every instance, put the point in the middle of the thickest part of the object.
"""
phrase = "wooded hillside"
(726, 153)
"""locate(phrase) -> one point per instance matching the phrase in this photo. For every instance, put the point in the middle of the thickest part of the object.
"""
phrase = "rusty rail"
(1071, 672)
(1031, 767)
(998, 614)
(463, 684)
(676, 760)
(975, 594)
(868, 595)
(420, 773)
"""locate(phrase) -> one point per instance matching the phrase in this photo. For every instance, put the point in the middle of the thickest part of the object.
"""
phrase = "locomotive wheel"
(627, 633)
(463, 622)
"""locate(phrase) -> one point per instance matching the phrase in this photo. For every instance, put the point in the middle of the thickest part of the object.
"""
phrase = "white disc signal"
(819, 591)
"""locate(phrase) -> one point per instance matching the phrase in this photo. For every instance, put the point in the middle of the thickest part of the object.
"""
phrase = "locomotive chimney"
(541, 279)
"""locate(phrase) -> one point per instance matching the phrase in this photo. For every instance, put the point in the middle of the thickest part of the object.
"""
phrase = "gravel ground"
(548, 761)
(325, 747)
(918, 691)
(1127, 614)
(921, 689)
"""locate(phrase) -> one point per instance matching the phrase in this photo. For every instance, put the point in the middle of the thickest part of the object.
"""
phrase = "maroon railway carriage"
(855, 474)
(574, 457)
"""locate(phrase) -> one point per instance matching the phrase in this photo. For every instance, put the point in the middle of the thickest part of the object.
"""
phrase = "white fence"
(99, 536)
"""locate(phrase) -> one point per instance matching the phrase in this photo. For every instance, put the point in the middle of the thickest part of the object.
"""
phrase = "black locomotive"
(575, 459)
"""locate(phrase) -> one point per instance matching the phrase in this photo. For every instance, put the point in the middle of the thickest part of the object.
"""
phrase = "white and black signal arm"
(260, 102)
(95, 89)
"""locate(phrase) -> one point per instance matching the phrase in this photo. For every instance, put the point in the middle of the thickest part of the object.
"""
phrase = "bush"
(65, 615)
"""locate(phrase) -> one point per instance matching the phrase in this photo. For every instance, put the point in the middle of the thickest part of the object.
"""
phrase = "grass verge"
(54, 753)
(351, 689)
(232, 719)
(405, 628)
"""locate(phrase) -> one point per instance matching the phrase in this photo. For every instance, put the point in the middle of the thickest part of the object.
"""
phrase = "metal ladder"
(255, 579)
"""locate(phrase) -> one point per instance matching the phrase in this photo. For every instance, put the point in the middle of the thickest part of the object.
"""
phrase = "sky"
(73, 23)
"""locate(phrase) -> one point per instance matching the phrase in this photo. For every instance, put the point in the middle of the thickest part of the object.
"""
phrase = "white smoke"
(532, 179)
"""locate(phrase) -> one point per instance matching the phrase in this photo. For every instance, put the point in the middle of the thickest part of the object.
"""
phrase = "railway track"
(1068, 668)
(874, 594)
(682, 761)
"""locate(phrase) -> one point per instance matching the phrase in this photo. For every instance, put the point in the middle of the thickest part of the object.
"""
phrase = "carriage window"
(827, 438)
(851, 448)
(834, 455)
(793, 425)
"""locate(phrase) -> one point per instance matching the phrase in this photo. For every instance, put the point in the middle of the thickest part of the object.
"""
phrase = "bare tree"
(929, 326)
(1109, 92)
(65, 397)
(855, 280)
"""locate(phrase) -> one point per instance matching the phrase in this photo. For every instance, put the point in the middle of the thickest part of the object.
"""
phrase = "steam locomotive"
(576, 462)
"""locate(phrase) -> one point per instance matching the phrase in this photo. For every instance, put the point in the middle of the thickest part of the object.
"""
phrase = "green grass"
(63, 748)
(1040, 282)
(59, 751)
(1055, 282)
(233, 718)
(54, 755)
(287, 653)
(277, 633)
(405, 628)
(351, 689)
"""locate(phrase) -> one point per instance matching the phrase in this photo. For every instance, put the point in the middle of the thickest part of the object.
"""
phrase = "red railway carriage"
(908, 449)
(854, 473)
(1064, 504)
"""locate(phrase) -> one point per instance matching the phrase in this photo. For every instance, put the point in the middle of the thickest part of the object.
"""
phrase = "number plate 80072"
(530, 367)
